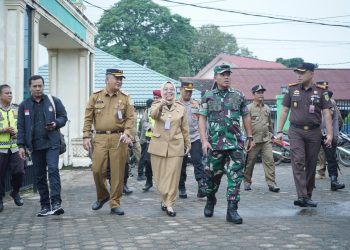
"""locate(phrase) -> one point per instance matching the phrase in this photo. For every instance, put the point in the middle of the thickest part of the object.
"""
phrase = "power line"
(277, 22)
(333, 63)
(292, 40)
(96, 6)
(195, 3)
(257, 15)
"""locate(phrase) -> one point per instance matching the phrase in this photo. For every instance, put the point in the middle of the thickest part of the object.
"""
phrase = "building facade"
(68, 36)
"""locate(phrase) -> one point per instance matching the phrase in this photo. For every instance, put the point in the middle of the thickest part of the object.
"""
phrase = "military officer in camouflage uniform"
(260, 114)
(222, 108)
(307, 103)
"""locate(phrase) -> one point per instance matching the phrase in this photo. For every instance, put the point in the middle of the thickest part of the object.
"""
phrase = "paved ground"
(270, 220)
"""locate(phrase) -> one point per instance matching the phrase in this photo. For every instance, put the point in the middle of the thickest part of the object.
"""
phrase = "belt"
(304, 127)
(109, 131)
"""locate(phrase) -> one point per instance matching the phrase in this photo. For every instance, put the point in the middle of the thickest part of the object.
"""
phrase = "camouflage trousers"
(233, 161)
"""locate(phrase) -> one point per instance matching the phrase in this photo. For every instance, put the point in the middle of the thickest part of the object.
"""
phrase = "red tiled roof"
(240, 62)
(273, 79)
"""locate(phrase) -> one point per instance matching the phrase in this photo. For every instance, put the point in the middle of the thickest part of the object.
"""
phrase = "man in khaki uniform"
(260, 114)
(111, 112)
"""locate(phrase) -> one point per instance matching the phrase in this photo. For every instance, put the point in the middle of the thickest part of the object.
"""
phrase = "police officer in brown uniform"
(111, 112)
(306, 101)
(260, 115)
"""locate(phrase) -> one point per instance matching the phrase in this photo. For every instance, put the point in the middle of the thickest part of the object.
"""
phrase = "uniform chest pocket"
(214, 105)
(296, 101)
(120, 108)
(315, 99)
(99, 108)
(255, 117)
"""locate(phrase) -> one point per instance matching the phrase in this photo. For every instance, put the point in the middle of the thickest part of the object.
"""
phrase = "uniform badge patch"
(326, 96)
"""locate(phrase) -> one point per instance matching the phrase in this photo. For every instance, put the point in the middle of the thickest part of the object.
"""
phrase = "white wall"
(69, 80)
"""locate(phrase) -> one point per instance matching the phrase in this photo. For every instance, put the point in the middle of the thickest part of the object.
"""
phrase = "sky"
(328, 46)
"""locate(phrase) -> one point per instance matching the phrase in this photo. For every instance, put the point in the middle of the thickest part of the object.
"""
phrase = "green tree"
(245, 52)
(291, 62)
(210, 42)
(148, 34)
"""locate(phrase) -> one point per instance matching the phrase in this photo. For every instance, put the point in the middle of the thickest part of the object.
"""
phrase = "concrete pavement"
(270, 220)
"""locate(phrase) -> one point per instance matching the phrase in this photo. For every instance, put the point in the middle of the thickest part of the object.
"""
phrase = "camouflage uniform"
(223, 109)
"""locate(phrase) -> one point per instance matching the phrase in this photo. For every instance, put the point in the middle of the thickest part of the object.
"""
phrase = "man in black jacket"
(38, 122)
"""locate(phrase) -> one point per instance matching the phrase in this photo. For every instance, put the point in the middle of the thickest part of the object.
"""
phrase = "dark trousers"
(145, 161)
(196, 159)
(16, 165)
(304, 146)
(45, 163)
(331, 157)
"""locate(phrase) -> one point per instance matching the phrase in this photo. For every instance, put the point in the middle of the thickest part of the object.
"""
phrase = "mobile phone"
(49, 124)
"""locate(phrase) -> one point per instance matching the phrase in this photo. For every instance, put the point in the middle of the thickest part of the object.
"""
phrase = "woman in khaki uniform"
(170, 142)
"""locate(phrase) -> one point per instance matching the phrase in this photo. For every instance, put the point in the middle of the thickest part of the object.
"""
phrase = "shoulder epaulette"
(292, 84)
(98, 91)
(154, 102)
(124, 92)
(178, 102)
(321, 85)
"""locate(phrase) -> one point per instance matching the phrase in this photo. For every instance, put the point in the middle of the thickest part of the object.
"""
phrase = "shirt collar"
(258, 104)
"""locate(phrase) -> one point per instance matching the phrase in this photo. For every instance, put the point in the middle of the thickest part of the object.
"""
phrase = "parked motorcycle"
(281, 150)
(343, 149)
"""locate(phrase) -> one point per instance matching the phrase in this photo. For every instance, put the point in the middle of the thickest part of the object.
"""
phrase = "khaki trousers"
(105, 147)
(321, 167)
(166, 172)
(267, 159)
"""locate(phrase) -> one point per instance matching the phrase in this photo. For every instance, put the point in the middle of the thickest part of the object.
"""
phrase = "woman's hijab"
(162, 91)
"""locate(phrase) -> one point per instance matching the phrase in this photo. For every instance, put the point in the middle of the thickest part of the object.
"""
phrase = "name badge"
(120, 115)
(312, 109)
(26, 112)
(167, 124)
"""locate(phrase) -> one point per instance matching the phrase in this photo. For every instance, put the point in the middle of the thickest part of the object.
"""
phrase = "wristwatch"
(249, 138)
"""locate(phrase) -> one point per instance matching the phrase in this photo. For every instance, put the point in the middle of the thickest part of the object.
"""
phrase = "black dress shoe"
(147, 186)
(305, 202)
(117, 210)
(126, 190)
(1, 206)
(170, 213)
(99, 204)
(274, 188)
(162, 207)
(300, 202)
(182, 193)
(310, 203)
(17, 198)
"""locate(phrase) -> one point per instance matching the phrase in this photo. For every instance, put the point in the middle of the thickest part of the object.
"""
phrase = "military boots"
(335, 185)
(209, 207)
(232, 215)
(201, 189)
